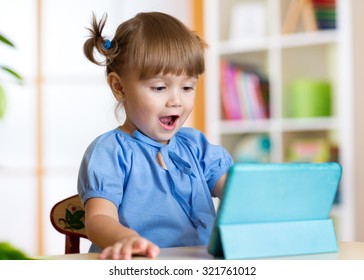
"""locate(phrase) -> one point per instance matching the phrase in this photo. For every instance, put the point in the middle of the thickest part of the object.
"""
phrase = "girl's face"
(158, 106)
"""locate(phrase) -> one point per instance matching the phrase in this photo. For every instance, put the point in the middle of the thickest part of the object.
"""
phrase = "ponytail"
(98, 42)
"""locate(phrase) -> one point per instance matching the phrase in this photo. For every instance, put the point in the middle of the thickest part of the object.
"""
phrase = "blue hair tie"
(107, 44)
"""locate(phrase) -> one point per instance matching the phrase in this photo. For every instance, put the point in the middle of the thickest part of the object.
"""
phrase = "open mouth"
(168, 122)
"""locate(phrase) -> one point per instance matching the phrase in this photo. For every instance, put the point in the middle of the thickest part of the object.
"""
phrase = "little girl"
(148, 184)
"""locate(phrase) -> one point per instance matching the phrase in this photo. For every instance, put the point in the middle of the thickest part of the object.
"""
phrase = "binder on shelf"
(276, 209)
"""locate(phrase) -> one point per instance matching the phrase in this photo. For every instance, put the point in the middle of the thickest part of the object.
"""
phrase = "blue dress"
(171, 207)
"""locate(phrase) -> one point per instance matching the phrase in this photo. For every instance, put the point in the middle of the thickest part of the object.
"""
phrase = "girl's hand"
(129, 246)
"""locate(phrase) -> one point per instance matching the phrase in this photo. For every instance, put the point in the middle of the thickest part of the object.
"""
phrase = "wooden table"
(347, 251)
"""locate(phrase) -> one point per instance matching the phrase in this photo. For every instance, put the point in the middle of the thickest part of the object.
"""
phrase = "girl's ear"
(116, 86)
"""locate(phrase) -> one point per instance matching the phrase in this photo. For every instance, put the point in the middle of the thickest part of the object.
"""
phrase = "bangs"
(162, 46)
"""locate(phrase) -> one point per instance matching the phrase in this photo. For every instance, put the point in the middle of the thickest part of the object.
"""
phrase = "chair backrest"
(67, 217)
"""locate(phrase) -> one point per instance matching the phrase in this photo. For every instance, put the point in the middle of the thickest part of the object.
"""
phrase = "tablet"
(275, 192)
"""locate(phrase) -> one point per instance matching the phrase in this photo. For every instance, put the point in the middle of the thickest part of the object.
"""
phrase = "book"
(244, 93)
(225, 91)
(325, 13)
(229, 96)
(233, 92)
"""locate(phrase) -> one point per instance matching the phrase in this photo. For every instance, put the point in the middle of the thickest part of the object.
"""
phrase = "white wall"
(77, 106)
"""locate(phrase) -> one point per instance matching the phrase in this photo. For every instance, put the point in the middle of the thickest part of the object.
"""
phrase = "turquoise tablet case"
(276, 209)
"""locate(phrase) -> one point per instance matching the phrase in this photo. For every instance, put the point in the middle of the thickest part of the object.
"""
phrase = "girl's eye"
(158, 89)
(188, 89)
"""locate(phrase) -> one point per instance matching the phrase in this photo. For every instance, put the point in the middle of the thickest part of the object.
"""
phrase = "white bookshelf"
(322, 54)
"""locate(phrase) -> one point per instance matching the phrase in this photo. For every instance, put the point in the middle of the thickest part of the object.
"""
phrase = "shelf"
(284, 41)
(304, 39)
(325, 55)
(309, 124)
(240, 126)
(236, 47)
(284, 125)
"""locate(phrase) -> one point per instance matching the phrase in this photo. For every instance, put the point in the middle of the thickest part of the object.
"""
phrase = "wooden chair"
(67, 217)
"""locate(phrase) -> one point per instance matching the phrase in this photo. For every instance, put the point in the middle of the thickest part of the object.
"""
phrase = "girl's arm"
(118, 242)
(219, 187)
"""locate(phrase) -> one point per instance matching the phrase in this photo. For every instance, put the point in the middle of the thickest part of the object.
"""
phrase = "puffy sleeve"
(215, 160)
(102, 172)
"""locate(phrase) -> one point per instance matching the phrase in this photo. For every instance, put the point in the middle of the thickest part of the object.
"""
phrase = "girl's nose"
(174, 99)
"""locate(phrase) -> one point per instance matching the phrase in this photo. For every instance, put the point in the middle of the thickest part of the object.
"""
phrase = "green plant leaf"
(6, 41)
(12, 72)
(9, 252)
(2, 102)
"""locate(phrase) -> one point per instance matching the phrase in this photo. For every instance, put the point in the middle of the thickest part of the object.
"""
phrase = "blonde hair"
(149, 43)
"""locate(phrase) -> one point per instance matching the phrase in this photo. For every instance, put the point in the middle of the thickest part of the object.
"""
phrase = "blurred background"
(283, 83)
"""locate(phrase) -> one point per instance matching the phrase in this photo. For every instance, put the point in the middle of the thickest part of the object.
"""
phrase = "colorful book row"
(325, 13)
(244, 93)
